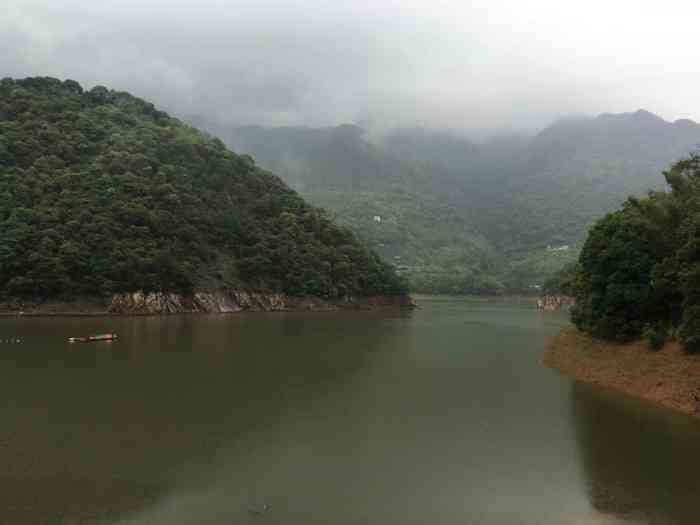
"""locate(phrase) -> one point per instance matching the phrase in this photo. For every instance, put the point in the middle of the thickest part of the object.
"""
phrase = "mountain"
(391, 202)
(525, 194)
(339, 158)
(578, 169)
(461, 216)
(101, 193)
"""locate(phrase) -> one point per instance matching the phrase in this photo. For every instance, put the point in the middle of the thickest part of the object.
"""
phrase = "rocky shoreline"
(221, 302)
(555, 302)
(669, 377)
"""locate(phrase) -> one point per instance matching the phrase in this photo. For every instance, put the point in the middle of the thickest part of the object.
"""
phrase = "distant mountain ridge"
(510, 196)
(528, 193)
(574, 171)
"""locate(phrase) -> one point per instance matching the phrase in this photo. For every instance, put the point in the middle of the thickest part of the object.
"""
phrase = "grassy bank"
(668, 377)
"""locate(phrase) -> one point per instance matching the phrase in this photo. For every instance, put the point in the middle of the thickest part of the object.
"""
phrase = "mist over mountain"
(460, 215)
(478, 67)
(391, 203)
(578, 169)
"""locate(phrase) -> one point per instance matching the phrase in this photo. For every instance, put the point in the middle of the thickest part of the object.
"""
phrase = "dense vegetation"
(639, 270)
(461, 217)
(428, 237)
(561, 282)
(100, 193)
(428, 240)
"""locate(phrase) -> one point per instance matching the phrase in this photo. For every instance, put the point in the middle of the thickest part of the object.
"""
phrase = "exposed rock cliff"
(228, 301)
(170, 303)
(555, 302)
(238, 300)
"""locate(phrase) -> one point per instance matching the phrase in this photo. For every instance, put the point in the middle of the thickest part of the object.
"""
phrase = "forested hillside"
(390, 203)
(578, 169)
(525, 194)
(456, 216)
(100, 193)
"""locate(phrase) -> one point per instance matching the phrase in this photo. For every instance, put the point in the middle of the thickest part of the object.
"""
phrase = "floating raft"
(93, 338)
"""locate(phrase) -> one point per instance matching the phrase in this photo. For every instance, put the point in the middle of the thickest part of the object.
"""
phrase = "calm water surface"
(443, 415)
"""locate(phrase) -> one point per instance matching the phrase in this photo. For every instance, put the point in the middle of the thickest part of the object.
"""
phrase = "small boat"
(93, 338)
(259, 511)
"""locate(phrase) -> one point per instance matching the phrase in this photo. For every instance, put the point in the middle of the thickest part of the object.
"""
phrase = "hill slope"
(578, 169)
(100, 193)
(467, 217)
(524, 194)
(390, 202)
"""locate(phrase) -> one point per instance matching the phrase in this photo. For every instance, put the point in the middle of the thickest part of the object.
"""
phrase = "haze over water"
(442, 415)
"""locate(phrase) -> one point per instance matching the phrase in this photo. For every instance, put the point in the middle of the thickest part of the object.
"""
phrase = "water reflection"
(641, 463)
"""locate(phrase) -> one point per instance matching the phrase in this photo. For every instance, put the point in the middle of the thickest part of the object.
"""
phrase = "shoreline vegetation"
(636, 294)
(668, 377)
(638, 275)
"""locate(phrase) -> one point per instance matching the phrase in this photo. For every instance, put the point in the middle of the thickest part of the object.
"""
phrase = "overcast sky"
(476, 66)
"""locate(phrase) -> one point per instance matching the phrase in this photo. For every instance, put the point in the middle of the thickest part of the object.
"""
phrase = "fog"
(476, 67)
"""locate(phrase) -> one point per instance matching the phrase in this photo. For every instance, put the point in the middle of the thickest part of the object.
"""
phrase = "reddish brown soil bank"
(668, 377)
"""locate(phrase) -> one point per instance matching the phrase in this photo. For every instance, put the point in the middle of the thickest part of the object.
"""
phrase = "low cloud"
(475, 67)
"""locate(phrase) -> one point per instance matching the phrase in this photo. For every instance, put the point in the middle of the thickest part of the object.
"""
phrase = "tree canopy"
(100, 192)
(639, 270)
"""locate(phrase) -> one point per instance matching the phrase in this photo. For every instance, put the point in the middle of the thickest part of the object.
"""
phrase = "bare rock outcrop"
(152, 303)
(555, 302)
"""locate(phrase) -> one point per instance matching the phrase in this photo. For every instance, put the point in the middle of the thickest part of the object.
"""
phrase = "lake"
(441, 415)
